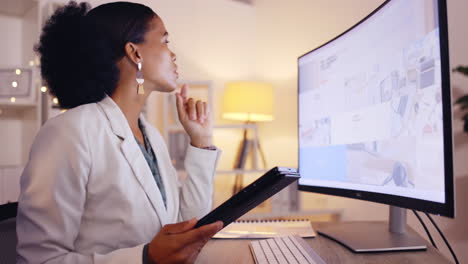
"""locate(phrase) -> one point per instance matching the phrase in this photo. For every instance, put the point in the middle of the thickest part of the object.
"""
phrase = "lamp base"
(247, 147)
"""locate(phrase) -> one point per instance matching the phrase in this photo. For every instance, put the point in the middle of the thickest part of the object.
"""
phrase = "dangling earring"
(140, 80)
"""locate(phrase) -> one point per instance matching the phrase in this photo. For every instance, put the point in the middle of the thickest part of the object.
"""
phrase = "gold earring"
(140, 80)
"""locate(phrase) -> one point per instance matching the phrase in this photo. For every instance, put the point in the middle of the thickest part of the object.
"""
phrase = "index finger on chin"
(183, 91)
(180, 107)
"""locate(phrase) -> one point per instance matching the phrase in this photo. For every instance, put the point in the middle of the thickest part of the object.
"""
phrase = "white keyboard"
(286, 249)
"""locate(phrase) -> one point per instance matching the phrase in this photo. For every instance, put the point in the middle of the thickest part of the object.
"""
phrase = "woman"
(99, 186)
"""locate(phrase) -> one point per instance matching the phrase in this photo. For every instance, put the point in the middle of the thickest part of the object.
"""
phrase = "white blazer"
(88, 194)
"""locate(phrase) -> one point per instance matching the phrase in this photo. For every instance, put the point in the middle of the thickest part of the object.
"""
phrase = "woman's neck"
(131, 104)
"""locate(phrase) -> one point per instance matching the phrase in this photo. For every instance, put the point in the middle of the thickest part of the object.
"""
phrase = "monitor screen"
(374, 110)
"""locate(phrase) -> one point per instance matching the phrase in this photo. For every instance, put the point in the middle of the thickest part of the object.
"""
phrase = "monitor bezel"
(446, 209)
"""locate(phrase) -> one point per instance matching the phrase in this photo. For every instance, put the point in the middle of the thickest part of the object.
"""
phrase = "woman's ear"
(131, 50)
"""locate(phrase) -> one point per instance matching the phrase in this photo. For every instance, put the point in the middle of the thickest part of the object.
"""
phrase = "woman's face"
(158, 61)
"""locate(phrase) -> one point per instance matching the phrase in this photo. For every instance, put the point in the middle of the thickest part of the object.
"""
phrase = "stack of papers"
(267, 229)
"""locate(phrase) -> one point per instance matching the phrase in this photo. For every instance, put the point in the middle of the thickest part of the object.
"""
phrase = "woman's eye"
(167, 41)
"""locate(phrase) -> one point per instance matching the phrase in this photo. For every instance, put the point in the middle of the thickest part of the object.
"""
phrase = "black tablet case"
(263, 188)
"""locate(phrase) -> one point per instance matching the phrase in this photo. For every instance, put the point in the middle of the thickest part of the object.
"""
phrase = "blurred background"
(219, 43)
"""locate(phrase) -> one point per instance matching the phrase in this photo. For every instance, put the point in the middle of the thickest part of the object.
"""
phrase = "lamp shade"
(248, 101)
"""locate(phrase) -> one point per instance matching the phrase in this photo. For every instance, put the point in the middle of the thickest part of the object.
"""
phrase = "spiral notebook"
(266, 229)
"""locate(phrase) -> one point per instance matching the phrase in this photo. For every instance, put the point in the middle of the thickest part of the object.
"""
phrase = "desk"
(238, 251)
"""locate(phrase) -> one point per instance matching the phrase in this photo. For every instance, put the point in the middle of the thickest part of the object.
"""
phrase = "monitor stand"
(367, 237)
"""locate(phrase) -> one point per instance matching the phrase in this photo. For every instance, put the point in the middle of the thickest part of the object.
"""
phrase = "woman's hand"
(180, 243)
(195, 118)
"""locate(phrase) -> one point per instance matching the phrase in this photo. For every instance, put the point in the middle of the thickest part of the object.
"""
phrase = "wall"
(29, 35)
(10, 27)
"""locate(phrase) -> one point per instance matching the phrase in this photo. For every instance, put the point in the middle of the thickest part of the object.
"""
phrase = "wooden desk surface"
(226, 251)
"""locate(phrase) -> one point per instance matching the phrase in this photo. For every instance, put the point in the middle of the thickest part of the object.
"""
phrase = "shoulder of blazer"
(66, 136)
(76, 118)
(76, 124)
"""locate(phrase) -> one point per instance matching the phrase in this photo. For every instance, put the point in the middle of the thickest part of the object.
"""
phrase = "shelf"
(16, 7)
(17, 105)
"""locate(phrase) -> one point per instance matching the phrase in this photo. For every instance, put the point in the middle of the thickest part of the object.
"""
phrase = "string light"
(43, 89)
(14, 84)
(18, 71)
(55, 100)
(12, 99)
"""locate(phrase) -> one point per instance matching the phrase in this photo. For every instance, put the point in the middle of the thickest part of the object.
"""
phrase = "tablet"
(258, 191)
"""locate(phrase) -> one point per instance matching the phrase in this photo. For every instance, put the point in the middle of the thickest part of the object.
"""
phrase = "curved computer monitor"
(374, 110)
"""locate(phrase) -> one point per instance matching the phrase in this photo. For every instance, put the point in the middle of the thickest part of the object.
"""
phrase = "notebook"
(266, 229)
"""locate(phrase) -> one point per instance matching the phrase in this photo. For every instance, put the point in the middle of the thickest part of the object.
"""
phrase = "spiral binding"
(250, 221)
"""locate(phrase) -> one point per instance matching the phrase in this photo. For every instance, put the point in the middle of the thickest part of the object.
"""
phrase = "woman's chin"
(166, 87)
(172, 87)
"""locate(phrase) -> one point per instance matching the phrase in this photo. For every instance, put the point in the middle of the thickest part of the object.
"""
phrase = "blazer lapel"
(164, 164)
(141, 170)
(134, 157)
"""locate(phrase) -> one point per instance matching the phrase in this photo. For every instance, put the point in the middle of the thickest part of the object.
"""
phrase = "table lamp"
(250, 102)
